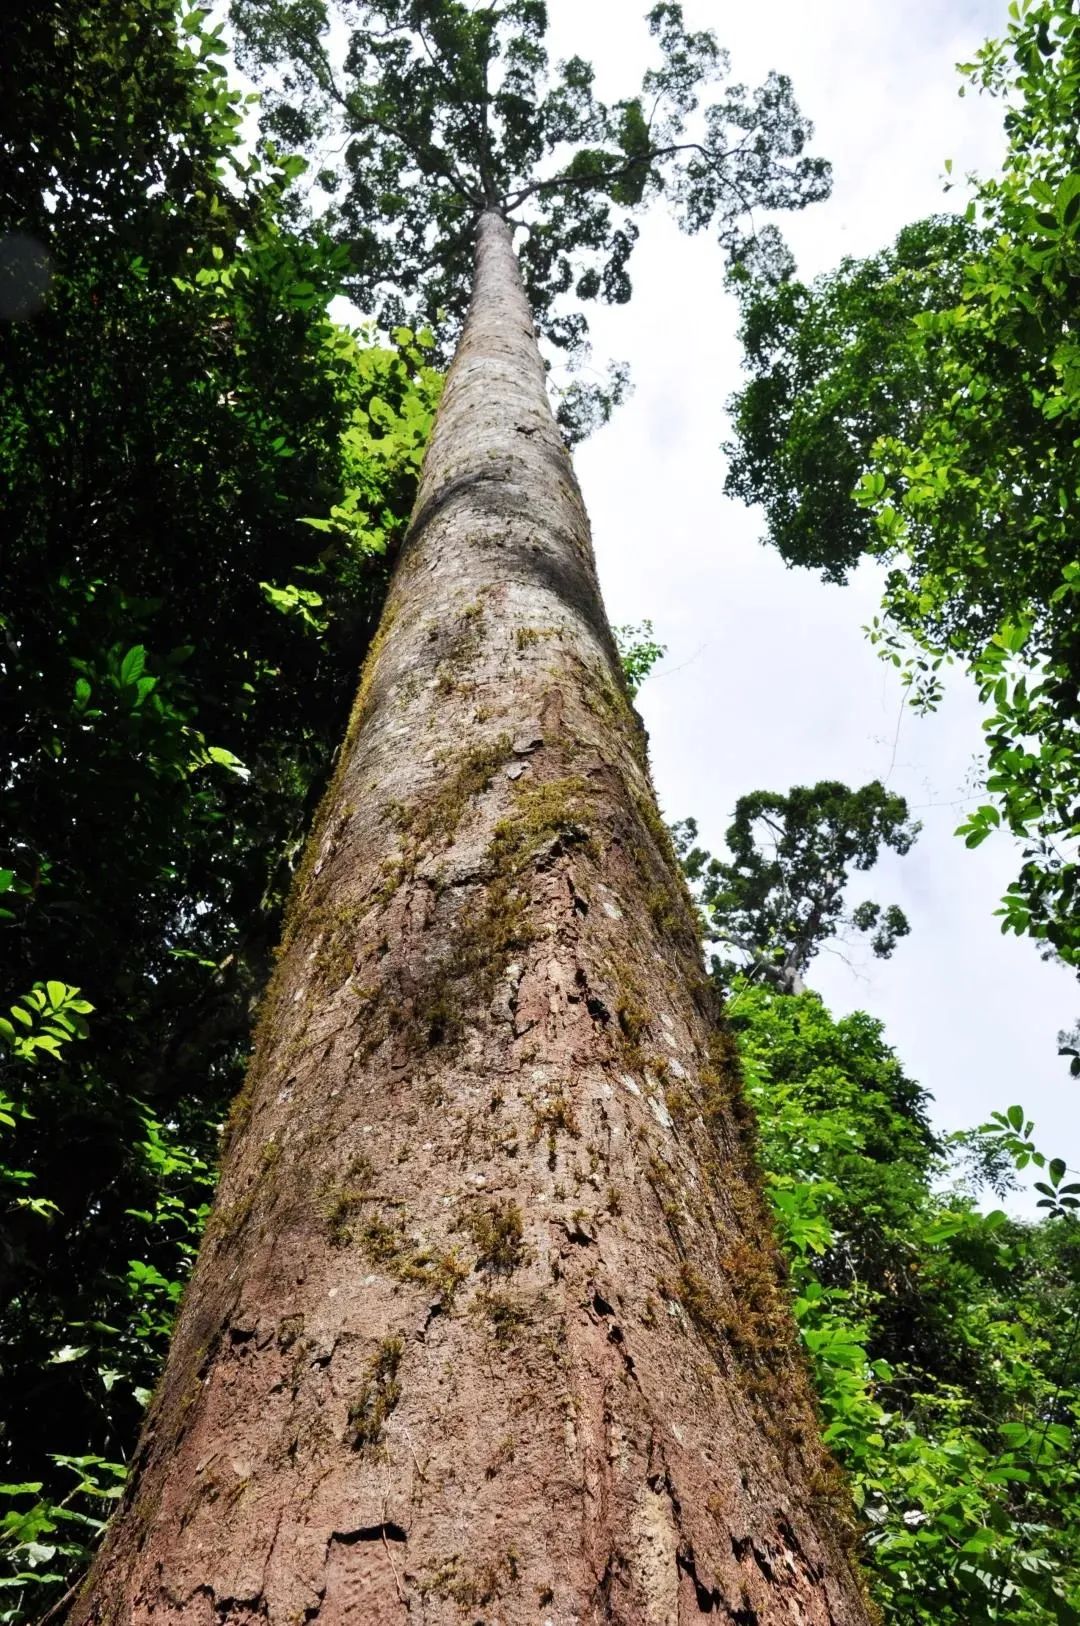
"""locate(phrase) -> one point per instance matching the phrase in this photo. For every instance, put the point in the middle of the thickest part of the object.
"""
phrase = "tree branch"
(566, 179)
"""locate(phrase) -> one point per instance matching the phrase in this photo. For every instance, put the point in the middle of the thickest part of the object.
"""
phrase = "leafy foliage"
(448, 109)
(201, 480)
(638, 653)
(831, 369)
(944, 1341)
(782, 895)
(923, 406)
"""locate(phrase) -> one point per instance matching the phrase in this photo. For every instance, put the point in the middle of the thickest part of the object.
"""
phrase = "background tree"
(923, 405)
(200, 481)
(781, 898)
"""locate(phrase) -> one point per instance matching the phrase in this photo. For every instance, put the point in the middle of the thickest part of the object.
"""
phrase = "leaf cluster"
(445, 110)
(944, 1341)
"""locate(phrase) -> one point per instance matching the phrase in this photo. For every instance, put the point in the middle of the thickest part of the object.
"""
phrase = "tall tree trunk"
(486, 1325)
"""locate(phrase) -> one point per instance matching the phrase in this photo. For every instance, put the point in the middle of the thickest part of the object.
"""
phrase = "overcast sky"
(769, 681)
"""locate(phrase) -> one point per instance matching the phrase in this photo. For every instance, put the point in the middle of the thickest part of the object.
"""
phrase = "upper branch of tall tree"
(449, 108)
(782, 896)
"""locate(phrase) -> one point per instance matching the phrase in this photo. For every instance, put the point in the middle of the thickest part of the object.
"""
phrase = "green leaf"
(133, 664)
(227, 759)
(1067, 203)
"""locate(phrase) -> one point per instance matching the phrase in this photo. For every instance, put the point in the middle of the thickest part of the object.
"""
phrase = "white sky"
(769, 681)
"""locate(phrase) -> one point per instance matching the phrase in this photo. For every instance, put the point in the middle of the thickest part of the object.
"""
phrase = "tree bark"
(488, 1324)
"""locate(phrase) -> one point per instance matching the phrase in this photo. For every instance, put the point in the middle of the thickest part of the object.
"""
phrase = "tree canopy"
(447, 108)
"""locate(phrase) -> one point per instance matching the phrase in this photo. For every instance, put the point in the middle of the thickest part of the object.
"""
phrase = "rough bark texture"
(486, 1326)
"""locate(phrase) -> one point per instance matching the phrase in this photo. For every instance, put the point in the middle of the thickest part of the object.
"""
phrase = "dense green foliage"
(446, 109)
(780, 897)
(200, 479)
(923, 407)
(944, 1340)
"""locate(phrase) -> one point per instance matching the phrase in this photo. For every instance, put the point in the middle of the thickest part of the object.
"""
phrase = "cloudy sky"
(769, 681)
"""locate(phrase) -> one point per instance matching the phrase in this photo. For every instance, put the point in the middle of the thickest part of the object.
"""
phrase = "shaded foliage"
(200, 478)
(944, 1340)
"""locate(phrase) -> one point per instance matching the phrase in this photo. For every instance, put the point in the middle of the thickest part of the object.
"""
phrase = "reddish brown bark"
(486, 1325)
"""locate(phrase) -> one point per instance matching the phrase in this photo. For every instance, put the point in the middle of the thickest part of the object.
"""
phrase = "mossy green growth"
(610, 701)
(346, 1201)
(631, 1011)
(440, 813)
(377, 1397)
(340, 1212)
(670, 904)
(470, 1588)
(526, 637)
(506, 1318)
(239, 1113)
(552, 1117)
(496, 925)
(499, 1234)
(723, 1100)
(290, 1328)
(386, 1244)
(227, 1220)
(336, 955)
(543, 814)
(462, 647)
(752, 1324)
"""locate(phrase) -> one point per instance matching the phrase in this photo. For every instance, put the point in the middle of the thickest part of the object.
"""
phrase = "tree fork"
(488, 1324)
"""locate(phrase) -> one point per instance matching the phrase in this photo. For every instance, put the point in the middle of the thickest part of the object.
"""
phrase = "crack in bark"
(254, 1604)
(386, 1531)
(709, 1600)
